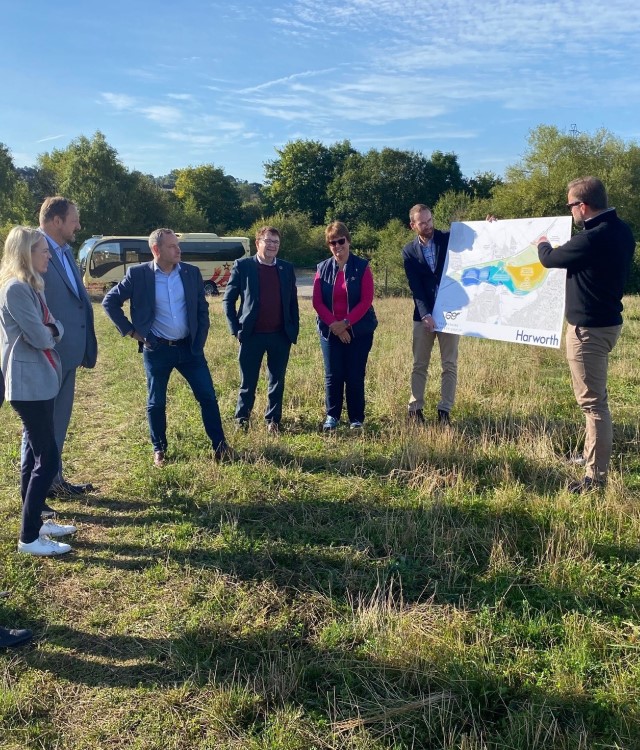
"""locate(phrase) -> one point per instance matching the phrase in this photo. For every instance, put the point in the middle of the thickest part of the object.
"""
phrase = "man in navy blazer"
(424, 259)
(170, 322)
(68, 302)
(267, 322)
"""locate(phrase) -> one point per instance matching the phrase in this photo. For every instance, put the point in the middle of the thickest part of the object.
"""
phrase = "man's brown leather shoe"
(158, 459)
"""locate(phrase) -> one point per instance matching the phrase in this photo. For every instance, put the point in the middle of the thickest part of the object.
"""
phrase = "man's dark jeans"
(159, 364)
(252, 350)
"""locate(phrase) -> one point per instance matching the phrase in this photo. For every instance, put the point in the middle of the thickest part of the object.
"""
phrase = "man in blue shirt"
(170, 322)
(69, 303)
(423, 260)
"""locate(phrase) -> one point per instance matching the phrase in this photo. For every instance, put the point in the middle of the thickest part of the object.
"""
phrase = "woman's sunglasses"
(339, 241)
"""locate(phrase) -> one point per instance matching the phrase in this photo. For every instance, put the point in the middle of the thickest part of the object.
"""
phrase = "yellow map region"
(520, 274)
(526, 270)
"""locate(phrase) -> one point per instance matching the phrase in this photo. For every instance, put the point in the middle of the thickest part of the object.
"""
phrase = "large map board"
(493, 285)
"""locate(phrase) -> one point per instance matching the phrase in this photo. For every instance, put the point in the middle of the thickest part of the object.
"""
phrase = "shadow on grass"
(469, 555)
(329, 682)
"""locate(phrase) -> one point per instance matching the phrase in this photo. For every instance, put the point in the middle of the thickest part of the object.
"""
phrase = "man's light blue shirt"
(64, 260)
(429, 253)
(171, 320)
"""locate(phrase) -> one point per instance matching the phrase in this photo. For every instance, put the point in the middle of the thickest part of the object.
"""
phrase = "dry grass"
(400, 589)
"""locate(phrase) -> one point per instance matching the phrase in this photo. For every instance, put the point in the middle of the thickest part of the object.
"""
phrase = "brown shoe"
(273, 428)
(158, 459)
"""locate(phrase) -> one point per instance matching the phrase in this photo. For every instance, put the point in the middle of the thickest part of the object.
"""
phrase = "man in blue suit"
(170, 322)
(69, 303)
(267, 322)
(423, 260)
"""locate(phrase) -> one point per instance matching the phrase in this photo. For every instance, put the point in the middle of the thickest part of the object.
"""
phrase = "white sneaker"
(44, 547)
(51, 528)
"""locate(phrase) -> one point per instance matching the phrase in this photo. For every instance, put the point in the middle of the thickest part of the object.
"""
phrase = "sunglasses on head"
(339, 241)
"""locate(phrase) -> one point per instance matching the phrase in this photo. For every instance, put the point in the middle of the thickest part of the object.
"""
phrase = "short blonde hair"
(16, 259)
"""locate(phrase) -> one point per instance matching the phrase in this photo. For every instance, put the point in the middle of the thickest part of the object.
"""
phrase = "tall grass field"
(399, 588)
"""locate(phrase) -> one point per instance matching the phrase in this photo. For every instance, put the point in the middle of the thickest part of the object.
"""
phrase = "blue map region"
(494, 275)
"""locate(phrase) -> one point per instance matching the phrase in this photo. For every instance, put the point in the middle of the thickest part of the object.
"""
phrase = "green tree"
(458, 206)
(482, 183)
(8, 180)
(185, 216)
(382, 185)
(302, 244)
(213, 194)
(16, 204)
(444, 174)
(537, 185)
(364, 240)
(89, 173)
(386, 262)
(150, 207)
(298, 179)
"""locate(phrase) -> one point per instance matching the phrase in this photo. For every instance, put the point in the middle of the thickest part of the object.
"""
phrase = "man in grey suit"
(69, 303)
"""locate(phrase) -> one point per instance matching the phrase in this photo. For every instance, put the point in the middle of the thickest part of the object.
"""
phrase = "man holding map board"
(423, 260)
(597, 261)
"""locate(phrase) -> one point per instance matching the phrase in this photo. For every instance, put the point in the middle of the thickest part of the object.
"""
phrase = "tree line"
(309, 184)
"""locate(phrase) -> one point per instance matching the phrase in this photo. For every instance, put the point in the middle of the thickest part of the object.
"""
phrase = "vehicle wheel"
(211, 288)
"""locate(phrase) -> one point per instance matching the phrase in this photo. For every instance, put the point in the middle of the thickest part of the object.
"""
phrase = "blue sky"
(187, 83)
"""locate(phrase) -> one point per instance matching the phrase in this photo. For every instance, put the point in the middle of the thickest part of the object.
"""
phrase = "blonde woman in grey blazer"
(32, 373)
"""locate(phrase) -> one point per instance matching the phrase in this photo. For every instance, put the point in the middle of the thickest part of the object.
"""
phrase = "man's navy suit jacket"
(244, 284)
(424, 282)
(139, 286)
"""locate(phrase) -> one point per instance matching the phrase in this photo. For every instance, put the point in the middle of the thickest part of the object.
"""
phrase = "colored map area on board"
(493, 285)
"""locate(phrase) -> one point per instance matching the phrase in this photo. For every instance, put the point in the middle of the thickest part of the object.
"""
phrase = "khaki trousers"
(422, 346)
(588, 356)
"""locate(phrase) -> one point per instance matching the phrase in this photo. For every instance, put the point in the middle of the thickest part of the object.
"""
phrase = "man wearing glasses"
(598, 260)
(266, 322)
(170, 322)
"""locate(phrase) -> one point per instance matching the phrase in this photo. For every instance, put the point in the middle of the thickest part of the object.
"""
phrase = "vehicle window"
(137, 252)
(197, 252)
(105, 258)
(84, 251)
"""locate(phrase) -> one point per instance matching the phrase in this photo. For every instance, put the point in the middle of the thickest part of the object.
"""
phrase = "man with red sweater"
(598, 261)
(267, 322)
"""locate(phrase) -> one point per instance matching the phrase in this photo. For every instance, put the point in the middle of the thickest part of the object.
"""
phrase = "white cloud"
(286, 79)
(50, 138)
(162, 114)
(120, 102)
